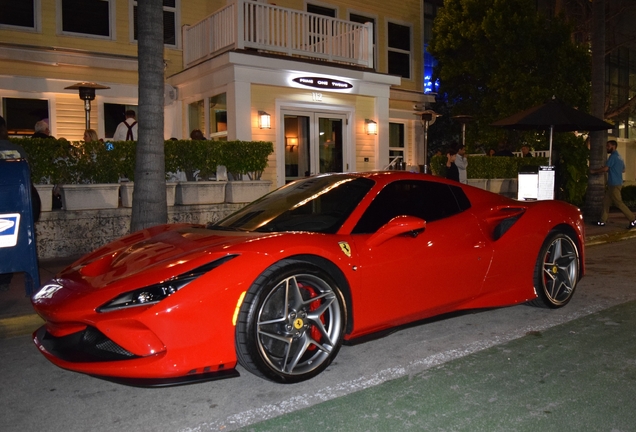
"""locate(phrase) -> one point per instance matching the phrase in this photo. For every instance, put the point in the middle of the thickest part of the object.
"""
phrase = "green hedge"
(60, 161)
(484, 167)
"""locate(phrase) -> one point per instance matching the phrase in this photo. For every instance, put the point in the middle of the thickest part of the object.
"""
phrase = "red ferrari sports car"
(281, 284)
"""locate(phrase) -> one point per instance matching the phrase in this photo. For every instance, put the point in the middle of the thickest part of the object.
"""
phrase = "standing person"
(452, 173)
(461, 161)
(9, 150)
(127, 130)
(614, 167)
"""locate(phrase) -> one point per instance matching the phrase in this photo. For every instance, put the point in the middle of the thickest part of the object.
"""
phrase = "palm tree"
(149, 203)
(596, 183)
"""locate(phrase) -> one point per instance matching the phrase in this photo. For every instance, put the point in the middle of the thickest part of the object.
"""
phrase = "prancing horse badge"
(344, 246)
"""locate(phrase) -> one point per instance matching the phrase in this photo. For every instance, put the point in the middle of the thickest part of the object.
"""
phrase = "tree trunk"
(596, 182)
(149, 197)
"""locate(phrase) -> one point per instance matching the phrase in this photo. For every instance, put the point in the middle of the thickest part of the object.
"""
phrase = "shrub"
(58, 161)
(483, 167)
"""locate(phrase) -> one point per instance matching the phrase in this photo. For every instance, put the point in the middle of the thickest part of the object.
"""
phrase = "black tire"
(291, 323)
(557, 271)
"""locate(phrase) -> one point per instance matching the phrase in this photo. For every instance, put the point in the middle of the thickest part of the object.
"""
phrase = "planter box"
(46, 196)
(479, 183)
(246, 191)
(126, 193)
(201, 192)
(90, 196)
(506, 187)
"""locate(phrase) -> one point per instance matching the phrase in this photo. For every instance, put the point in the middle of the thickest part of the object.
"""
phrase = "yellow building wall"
(70, 117)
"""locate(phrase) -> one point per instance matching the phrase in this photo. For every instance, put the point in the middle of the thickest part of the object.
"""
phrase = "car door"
(408, 277)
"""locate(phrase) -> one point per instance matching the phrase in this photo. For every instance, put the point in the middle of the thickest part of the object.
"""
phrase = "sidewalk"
(18, 318)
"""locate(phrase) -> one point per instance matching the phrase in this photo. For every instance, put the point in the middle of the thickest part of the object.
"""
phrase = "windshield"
(315, 204)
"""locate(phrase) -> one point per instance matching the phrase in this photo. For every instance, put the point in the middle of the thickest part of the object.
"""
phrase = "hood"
(154, 254)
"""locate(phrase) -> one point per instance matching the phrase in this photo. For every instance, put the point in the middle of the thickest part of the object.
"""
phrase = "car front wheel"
(557, 271)
(291, 323)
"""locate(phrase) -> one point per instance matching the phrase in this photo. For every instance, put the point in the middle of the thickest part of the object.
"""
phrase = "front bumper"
(91, 352)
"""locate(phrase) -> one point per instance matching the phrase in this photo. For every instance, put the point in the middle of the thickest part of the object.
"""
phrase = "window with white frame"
(170, 34)
(21, 15)
(21, 114)
(397, 153)
(87, 17)
(399, 50)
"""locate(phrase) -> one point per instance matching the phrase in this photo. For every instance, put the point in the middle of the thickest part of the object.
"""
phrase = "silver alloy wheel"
(560, 270)
(299, 324)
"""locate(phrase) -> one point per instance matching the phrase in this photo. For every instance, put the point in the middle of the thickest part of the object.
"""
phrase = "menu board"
(527, 184)
(546, 183)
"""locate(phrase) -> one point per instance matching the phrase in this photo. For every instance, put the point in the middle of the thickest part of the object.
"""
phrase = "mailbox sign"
(9, 228)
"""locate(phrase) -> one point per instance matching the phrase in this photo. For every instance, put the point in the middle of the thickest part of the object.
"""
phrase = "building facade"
(336, 86)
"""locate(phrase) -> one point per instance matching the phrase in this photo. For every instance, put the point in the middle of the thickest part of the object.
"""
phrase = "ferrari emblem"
(555, 269)
(298, 323)
(346, 249)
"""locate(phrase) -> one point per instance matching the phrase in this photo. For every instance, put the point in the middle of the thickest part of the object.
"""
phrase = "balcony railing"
(246, 24)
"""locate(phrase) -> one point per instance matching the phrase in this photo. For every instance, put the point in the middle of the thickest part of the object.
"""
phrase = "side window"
(430, 201)
(87, 17)
(113, 115)
(399, 50)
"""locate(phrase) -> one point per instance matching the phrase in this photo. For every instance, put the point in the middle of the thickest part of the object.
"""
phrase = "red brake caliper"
(315, 333)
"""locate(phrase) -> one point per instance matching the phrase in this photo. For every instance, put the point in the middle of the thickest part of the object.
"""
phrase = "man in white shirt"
(127, 130)
(462, 163)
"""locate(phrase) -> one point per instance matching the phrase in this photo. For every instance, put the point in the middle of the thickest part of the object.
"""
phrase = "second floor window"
(88, 17)
(18, 13)
(169, 22)
(399, 50)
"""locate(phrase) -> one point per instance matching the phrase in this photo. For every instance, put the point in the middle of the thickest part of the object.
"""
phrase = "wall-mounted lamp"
(371, 127)
(291, 142)
(264, 120)
(87, 94)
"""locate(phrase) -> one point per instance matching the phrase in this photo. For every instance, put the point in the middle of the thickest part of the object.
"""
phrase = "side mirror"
(399, 225)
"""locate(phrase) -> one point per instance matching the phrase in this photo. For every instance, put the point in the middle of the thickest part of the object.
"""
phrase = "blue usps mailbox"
(18, 251)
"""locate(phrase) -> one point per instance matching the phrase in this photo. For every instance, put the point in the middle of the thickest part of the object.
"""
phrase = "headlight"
(155, 293)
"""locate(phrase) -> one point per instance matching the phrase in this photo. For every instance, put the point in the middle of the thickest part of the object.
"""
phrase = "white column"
(239, 106)
(382, 143)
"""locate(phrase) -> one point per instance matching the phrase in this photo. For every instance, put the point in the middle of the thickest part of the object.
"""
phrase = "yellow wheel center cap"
(555, 269)
(298, 323)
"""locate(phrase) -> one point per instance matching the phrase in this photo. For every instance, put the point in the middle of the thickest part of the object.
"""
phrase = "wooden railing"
(245, 24)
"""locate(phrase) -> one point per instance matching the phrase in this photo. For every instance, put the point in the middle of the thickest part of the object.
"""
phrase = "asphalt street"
(516, 368)
(579, 376)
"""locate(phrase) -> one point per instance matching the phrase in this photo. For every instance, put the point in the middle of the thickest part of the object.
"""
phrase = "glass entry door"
(314, 144)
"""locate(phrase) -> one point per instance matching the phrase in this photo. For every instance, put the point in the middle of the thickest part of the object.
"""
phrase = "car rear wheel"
(291, 323)
(557, 271)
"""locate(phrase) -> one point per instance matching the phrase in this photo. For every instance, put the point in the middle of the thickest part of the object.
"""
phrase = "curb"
(609, 237)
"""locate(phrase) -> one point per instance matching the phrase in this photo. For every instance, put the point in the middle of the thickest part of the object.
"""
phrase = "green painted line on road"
(579, 376)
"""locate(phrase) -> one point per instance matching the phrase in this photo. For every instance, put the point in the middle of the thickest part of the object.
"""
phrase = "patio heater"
(87, 94)
(427, 118)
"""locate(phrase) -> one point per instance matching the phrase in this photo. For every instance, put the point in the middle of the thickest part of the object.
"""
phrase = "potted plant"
(245, 163)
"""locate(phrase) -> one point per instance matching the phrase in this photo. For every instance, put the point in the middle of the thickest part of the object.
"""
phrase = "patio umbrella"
(554, 116)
